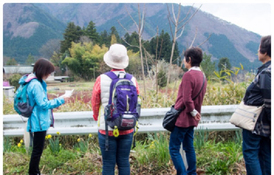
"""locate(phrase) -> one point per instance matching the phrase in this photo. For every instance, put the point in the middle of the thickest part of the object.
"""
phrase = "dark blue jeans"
(177, 137)
(118, 153)
(257, 153)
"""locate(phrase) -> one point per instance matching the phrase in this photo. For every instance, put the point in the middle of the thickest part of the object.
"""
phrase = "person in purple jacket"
(183, 133)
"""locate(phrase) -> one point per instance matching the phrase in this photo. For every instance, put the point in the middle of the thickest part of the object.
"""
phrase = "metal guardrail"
(78, 123)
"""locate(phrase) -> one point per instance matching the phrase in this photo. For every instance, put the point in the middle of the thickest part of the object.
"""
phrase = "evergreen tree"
(167, 44)
(164, 47)
(176, 56)
(92, 33)
(72, 34)
(104, 39)
(30, 60)
(207, 65)
(114, 32)
(224, 64)
(126, 39)
(134, 41)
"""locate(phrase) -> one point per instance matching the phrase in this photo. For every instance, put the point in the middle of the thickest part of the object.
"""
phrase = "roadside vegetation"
(157, 65)
(217, 152)
(81, 154)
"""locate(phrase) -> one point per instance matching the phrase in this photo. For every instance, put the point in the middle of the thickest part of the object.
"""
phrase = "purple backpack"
(123, 110)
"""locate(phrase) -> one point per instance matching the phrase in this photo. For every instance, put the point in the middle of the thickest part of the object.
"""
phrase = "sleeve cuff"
(194, 112)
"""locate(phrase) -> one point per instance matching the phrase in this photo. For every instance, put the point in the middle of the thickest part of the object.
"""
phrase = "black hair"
(42, 67)
(196, 55)
(265, 46)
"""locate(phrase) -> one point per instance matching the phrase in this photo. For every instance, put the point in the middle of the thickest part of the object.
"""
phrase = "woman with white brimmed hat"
(119, 147)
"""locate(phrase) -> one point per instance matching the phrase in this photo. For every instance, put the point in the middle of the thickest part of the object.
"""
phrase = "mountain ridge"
(239, 42)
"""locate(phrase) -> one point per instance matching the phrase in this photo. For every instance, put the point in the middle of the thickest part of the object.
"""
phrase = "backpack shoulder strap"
(128, 76)
(111, 75)
(114, 79)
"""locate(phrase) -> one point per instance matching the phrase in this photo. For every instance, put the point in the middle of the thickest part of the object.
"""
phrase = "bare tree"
(51, 46)
(140, 29)
(179, 26)
(193, 42)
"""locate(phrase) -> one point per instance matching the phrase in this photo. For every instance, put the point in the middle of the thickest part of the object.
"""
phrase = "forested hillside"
(29, 27)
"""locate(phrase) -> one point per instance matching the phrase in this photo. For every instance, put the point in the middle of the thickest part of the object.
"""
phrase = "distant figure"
(5, 82)
(257, 144)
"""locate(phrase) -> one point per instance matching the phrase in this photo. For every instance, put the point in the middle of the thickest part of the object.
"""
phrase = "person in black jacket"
(257, 143)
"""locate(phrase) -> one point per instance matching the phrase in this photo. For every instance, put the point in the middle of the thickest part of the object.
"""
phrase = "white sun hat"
(116, 57)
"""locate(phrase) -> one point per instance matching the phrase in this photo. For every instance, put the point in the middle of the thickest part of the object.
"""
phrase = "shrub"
(14, 80)
(161, 78)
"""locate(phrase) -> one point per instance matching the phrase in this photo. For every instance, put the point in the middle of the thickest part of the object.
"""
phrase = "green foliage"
(253, 47)
(30, 60)
(14, 80)
(134, 66)
(227, 74)
(85, 59)
(57, 58)
(222, 47)
(7, 144)
(207, 66)
(47, 28)
(114, 32)
(72, 34)
(150, 156)
(54, 144)
(162, 78)
(224, 64)
(113, 39)
(83, 145)
(104, 39)
(133, 40)
(11, 62)
(156, 146)
(238, 137)
(162, 45)
(201, 137)
(91, 32)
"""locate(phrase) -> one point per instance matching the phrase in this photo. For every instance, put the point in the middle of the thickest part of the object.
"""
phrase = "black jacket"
(259, 93)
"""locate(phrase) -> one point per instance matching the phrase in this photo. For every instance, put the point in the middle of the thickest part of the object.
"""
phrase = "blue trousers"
(177, 137)
(118, 153)
(257, 153)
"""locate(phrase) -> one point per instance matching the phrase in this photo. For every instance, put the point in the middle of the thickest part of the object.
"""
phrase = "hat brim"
(114, 65)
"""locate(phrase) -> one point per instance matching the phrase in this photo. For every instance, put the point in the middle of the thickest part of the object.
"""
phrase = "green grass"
(151, 155)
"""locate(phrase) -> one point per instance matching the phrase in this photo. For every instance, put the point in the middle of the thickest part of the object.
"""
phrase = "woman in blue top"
(41, 117)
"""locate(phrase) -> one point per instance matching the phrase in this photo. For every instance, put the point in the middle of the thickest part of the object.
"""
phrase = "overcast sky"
(255, 17)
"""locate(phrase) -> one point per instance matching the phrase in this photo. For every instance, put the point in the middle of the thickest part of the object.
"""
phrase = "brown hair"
(42, 67)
